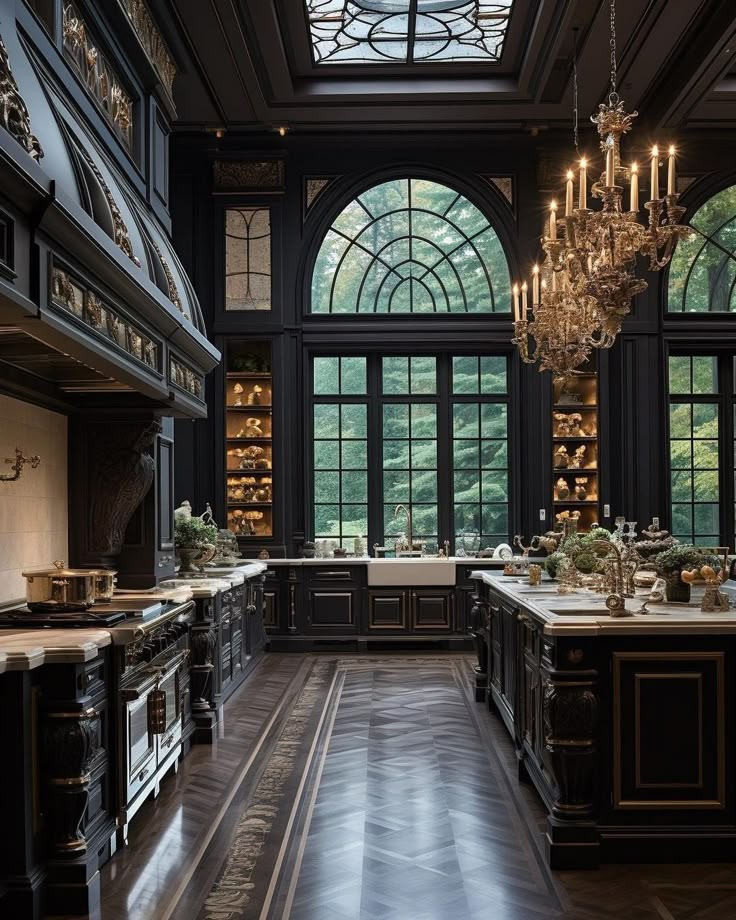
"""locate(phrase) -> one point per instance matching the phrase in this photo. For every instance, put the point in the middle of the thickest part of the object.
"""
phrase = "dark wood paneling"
(669, 730)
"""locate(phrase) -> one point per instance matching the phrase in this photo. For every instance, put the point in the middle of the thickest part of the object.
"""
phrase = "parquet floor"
(371, 788)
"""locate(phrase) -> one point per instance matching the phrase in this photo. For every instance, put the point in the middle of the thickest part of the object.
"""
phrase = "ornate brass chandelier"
(589, 271)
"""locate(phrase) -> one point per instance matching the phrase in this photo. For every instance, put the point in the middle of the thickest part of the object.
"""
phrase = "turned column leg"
(570, 722)
(70, 745)
(202, 646)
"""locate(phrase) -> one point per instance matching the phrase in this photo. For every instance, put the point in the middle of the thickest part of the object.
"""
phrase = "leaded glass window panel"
(702, 275)
(247, 259)
(407, 31)
(410, 246)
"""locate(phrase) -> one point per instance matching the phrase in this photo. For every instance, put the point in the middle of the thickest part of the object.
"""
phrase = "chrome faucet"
(409, 538)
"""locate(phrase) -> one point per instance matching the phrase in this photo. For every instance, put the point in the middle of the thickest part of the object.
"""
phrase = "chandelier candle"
(535, 286)
(515, 291)
(654, 193)
(634, 188)
(553, 220)
(524, 303)
(583, 200)
(610, 163)
(569, 194)
(671, 172)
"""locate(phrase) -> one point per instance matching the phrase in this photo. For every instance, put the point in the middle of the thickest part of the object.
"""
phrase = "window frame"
(725, 400)
(444, 399)
(329, 205)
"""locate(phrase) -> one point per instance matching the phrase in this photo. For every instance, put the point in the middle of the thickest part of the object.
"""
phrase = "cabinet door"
(387, 611)
(330, 609)
(509, 651)
(431, 610)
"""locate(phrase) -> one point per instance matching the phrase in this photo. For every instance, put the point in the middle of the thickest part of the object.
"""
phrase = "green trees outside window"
(410, 246)
(702, 274)
(439, 446)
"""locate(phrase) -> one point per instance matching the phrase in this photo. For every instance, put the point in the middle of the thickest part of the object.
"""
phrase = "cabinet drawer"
(432, 610)
(333, 575)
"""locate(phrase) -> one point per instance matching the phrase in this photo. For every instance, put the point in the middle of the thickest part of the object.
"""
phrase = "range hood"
(94, 303)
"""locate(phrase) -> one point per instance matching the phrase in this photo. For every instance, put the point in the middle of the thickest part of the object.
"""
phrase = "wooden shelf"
(249, 375)
(574, 502)
(248, 472)
(267, 408)
(250, 440)
(574, 406)
(580, 437)
(249, 504)
(577, 472)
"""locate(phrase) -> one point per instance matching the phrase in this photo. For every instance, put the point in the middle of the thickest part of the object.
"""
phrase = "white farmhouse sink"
(410, 572)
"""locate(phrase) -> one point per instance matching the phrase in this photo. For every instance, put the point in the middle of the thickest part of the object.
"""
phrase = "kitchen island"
(625, 726)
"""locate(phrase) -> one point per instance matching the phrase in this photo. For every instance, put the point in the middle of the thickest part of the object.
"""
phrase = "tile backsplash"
(34, 509)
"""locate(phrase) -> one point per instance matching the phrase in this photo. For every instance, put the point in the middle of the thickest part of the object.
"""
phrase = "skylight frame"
(337, 29)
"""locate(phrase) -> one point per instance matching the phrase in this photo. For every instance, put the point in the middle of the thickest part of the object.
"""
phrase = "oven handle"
(153, 676)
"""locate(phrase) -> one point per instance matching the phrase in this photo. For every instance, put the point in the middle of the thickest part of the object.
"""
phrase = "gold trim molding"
(170, 282)
(98, 76)
(152, 42)
(120, 228)
(67, 292)
(13, 110)
(185, 378)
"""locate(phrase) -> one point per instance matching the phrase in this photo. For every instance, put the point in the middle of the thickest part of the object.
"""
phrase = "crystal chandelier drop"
(590, 268)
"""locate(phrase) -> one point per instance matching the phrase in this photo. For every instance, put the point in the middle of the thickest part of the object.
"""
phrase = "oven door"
(139, 744)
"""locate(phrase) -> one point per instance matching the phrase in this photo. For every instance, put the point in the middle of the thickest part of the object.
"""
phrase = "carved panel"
(152, 42)
(13, 111)
(185, 378)
(170, 282)
(120, 470)
(67, 292)
(248, 175)
(98, 76)
(570, 722)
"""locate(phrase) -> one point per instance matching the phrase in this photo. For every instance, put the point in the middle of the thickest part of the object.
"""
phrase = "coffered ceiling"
(249, 65)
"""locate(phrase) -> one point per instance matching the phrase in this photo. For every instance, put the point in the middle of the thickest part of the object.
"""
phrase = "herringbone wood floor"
(371, 789)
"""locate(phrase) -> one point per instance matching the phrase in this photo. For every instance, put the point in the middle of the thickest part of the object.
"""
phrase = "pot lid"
(59, 568)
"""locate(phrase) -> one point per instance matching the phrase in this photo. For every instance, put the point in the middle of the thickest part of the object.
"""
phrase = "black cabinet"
(432, 610)
(387, 610)
(332, 598)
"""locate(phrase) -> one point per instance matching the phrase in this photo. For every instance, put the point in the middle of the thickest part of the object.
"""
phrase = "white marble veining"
(585, 612)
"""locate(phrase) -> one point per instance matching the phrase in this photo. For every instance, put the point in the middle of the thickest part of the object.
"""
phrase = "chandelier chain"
(575, 87)
(613, 49)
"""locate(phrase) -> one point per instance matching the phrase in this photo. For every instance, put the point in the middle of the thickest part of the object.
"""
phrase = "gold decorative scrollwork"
(152, 42)
(13, 110)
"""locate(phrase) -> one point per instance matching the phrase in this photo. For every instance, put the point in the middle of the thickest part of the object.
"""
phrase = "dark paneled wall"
(632, 374)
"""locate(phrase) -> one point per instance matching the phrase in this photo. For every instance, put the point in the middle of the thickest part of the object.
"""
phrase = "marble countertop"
(585, 613)
(25, 649)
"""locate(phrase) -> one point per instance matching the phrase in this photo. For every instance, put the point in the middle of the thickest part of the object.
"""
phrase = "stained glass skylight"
(407, 31)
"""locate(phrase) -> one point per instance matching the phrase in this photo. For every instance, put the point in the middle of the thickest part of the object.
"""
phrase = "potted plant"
(195, 542)
(673, 562)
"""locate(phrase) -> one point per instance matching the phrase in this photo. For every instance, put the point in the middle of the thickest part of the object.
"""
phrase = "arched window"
(410, 246)
(703, 271)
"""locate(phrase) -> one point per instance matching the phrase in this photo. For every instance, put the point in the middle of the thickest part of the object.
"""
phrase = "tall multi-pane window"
(695, 434)
(409, 389)
(439, 442)
(480, 450)
(340, 429)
